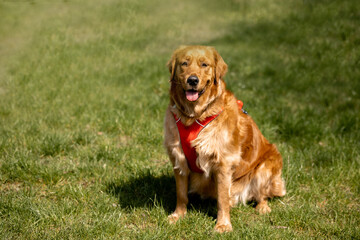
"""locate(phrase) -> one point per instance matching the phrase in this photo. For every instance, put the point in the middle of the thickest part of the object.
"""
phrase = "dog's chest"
(188, 134)
(211, 141)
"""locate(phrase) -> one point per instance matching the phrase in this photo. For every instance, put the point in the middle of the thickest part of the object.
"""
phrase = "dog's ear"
(172, 62)
(172, 66)
(220, 67)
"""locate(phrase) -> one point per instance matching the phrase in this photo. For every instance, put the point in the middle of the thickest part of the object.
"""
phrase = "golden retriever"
(233, 160)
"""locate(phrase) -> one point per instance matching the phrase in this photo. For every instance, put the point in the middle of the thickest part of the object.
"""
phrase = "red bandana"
(189, 133)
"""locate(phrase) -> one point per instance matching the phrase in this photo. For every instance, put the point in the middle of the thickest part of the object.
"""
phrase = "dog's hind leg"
(277, 187)
(267, 182)
(260, 186)
(263, 207)
(271, 187)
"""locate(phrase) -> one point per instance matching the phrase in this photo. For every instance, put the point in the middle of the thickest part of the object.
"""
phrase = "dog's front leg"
(182, 181)
(223, 184)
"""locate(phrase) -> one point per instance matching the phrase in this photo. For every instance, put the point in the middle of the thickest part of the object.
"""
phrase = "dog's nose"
(193, 80)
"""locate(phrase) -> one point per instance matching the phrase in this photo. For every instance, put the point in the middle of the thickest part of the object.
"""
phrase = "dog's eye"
(204, 65)
(184, 64)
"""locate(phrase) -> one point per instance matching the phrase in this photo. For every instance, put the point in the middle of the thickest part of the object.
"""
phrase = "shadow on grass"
(148, 190)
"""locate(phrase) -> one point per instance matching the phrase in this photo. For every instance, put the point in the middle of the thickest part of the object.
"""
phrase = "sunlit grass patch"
(84, 87)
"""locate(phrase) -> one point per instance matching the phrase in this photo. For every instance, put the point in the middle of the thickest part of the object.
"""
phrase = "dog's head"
(196, 73)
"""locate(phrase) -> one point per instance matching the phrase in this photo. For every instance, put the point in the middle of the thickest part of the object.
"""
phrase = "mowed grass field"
(83, 91)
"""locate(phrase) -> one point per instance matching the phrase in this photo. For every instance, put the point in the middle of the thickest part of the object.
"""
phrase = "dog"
(215, 147)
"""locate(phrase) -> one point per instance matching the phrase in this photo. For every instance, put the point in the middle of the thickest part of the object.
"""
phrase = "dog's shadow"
(148, 190)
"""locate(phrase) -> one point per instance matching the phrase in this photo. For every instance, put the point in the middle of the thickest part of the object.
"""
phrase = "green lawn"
(83, 91)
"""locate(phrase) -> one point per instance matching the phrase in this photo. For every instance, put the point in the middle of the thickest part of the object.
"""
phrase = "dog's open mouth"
(193, 95)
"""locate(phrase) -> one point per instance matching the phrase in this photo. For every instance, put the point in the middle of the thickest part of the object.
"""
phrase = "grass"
(84, 87)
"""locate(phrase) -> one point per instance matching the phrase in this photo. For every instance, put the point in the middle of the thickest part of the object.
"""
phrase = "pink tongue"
(192, 95)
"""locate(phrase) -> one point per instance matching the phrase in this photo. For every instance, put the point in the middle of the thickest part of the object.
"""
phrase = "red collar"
(190, 133)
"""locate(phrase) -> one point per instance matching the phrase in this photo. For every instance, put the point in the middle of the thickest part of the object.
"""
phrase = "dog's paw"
(220, 228)
(173, 218)
(263, 208)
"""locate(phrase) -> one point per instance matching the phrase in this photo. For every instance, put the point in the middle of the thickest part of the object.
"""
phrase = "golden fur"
(239, 164)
